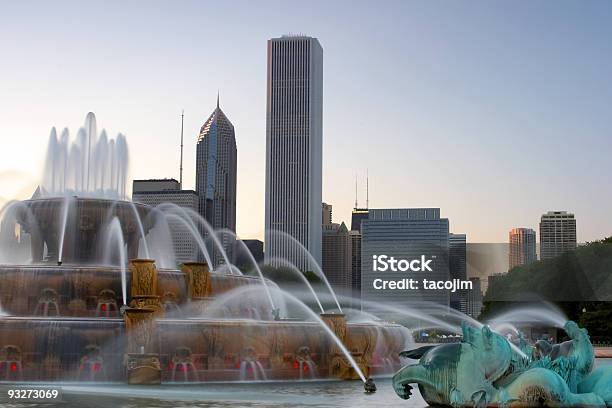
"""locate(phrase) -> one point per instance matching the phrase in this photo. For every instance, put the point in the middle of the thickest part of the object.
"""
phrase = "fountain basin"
(65, 318)
(44, 220)
(79, 287)
(52, 349)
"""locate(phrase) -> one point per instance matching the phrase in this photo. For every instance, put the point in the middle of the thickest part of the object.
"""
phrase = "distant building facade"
(216, 169)
(358, 215)
(294, 149)
(408, 233)
(474, 301)
(355, 237)
(457, 257)
(242, 259)
(522, 247)
(557, 234)
(256, 247)
(337, 258)
(159, 191)
(493, 280)
(326, 214)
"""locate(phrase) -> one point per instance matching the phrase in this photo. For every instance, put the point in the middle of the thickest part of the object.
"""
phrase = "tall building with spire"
(294, 150)
(216, 162)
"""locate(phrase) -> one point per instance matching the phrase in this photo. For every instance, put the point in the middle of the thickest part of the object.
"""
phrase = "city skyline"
(425, 97)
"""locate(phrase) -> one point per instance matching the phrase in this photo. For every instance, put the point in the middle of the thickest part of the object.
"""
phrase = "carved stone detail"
(198, 279)
(141, 328)
(144, 277)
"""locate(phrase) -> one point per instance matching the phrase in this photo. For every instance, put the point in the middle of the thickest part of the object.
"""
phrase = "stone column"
(337, 324)
(199, 287)
(198, 280)
(143, 366)
(141, 328)
(142, 356)
(337, 363)
(143, 285)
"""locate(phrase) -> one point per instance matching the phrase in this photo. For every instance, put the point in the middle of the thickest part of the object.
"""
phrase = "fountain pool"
(312, 394)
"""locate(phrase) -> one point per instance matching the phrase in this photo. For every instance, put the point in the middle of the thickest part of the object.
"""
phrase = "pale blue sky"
(493, 111)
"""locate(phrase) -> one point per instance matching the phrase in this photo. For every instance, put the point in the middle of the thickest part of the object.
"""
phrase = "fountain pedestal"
(142, 365)
(143, 288)
(198, 279)
(143, 369)
(338, 364)
(199, 286)
(337, 323)
(340, 367)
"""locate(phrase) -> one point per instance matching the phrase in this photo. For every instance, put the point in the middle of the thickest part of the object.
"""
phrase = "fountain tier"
(78, 226)
(65, 320)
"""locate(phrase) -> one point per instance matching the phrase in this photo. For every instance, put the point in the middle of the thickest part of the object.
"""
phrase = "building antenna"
(356, 205)
(367, 191)
(181, 163)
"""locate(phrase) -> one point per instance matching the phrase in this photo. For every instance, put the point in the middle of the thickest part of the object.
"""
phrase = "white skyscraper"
(557, 234)
(294, 148)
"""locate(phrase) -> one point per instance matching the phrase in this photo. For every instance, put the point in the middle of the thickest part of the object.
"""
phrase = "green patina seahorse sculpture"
(484, 370)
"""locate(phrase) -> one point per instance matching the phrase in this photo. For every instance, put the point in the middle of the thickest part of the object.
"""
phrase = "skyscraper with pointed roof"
(216, 162)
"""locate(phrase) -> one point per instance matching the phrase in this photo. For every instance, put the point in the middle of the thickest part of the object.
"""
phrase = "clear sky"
(493, 111)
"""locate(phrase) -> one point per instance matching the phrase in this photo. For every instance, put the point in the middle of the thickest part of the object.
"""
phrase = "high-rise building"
(457, 255)
(216, 160)
(557, 234)
(337, 260)
(474, 300)
(326, 210)
(355, 262)
(358, 215)
(405, 234)
(522, 247)
(159, 191)
(254, 247)
(493, 281)
(294, 149)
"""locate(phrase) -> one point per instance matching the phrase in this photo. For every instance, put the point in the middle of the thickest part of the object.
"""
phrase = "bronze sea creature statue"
(486, 370)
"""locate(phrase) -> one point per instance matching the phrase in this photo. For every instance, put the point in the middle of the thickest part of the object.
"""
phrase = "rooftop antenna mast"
(181, 163)
(356, 205)
(367, 191)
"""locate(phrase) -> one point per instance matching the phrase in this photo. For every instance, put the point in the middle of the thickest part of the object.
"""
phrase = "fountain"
(89, 291)
(65, 211)
(296, 272)
(317, 269)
